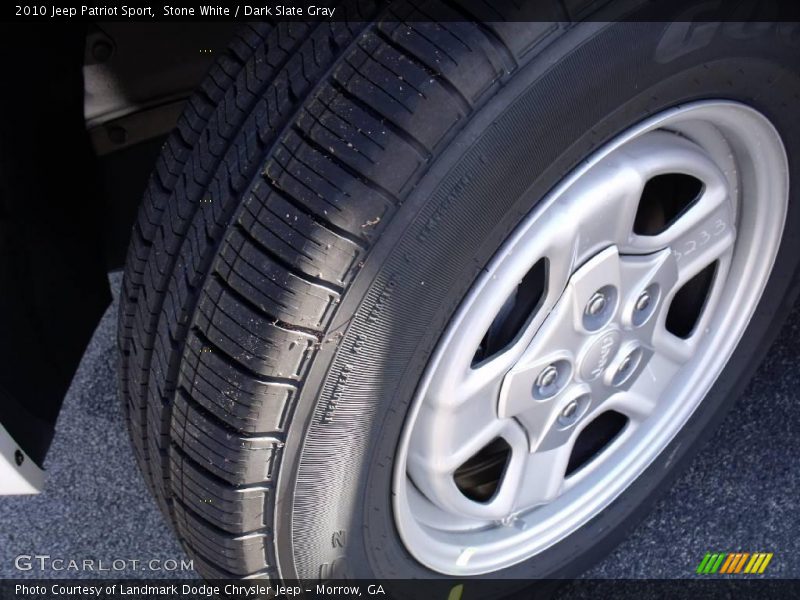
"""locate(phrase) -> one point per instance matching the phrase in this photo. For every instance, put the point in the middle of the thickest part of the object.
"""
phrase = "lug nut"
(627, 367)
(643, 302)
(574, 410)
(596, 304)
(569, 410)
(546, 379)
(644, 306)
(624, 365)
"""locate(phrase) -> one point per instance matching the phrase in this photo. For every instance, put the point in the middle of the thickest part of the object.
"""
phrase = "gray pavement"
(741, 494)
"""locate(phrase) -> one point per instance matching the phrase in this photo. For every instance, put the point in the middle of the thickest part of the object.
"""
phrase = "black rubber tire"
(330, 194)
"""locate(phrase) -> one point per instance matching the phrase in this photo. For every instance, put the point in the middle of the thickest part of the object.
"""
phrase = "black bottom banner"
(439, 589)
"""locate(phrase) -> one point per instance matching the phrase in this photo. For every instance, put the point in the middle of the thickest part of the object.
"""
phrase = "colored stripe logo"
(732, 563)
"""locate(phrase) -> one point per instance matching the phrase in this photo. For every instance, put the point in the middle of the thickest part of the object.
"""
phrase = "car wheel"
(415, 299)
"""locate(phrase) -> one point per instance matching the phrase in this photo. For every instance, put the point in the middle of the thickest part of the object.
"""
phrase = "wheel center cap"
(599, 354)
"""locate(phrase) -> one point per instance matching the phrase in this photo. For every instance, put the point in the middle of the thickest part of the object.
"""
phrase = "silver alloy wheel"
(599, 342)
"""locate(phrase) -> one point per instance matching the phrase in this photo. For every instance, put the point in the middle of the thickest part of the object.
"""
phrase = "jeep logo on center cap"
(599, 355)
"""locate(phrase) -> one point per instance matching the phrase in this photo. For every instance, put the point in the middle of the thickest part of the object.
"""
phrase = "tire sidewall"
(594, 83)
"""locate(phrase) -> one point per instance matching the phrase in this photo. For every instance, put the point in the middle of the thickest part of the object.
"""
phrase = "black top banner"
(741, 11)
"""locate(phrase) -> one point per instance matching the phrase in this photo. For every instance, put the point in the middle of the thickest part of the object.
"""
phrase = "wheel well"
(82, 127)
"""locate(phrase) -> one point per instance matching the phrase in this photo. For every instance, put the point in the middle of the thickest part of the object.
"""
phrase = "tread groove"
(236, 365)
(298, 206)
(409, 139)
(373, 185)
(505, 52)
(329, 285)
(464, 104)
(254, 307)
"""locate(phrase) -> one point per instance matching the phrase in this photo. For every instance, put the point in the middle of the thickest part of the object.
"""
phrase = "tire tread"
(283, 170)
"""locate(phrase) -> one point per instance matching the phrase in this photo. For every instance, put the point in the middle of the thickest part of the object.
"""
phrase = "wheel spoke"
(704, 239)
(542, 477)
(433, 461)
(658, 153)
(459, 422)
(674, 349)
(708, 241)
(633, 404)
(603, 205)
